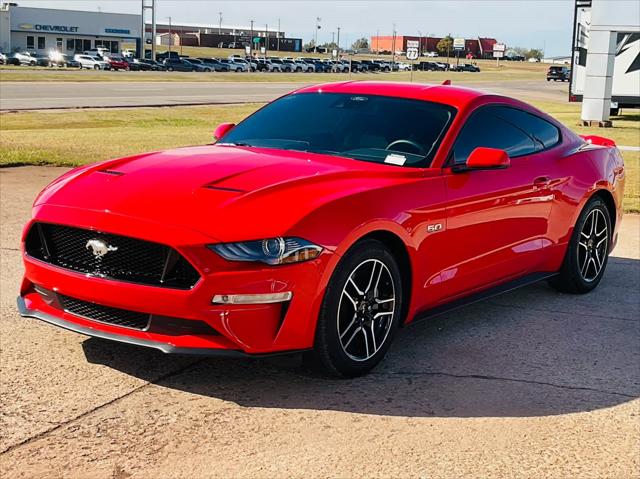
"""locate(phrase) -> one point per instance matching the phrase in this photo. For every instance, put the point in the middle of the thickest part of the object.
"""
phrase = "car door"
(496, 219)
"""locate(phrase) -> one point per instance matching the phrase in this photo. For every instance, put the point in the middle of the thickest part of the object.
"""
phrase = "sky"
(544, 24)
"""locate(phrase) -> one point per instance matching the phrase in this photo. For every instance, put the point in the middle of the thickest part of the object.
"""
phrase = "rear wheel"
(96, 67)
(588, 251)
(360, 312)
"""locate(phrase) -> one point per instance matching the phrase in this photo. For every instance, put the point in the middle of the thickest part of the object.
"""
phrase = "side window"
(30, 42)
(41, 43)
(486, 129)
(544, 133)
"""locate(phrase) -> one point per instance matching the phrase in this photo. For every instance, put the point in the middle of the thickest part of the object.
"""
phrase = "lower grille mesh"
(105, 314)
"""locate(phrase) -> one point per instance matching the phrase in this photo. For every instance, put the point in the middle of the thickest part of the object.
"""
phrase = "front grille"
(124, 258)
(105, 314)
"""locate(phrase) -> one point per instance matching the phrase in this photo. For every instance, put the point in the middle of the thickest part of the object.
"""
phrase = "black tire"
(96, 67)
(585, 249)
(329, 356)
(614, 111)
(169, 69)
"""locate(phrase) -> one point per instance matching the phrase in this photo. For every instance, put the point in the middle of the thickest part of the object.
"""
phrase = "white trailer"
(624, 31)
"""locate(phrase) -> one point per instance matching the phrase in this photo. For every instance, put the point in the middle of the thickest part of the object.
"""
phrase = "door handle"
(542, 182)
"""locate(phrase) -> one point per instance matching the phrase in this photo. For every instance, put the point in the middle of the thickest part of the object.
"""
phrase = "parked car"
(162, 56)
(405, 67)
(287, 235)
(468, 67)
(214, 64)
(179, 65)
(371, 65)
(31, 59)
(3, 58)
(199, 65)
(97, 52)
(91, 62)
(63, 60)
(235, 66)
(560, 73)
(10, 59)
(139, 64)
(116, 62)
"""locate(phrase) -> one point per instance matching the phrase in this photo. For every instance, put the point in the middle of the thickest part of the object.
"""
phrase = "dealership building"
(67, 31)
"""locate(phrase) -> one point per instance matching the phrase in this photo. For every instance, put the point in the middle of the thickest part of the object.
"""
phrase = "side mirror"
(485, 159)
(222, 129)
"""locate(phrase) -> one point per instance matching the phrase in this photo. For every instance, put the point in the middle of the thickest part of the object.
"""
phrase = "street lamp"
(220, 24)
(315, 41)
(338, 43)
(170, 37)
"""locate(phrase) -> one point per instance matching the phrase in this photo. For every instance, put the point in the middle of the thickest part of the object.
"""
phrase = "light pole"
(266, 40)
(393, 45)
(250, 49)
(220, 24)
(278, 34)
(338, 43)
(170, 37)
(315, 41)
(419, 44)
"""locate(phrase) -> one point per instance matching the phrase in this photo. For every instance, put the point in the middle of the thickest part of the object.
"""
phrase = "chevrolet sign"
(48, 28)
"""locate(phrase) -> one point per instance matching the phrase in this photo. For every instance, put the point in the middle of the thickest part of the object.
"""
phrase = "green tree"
(360, 44)
(309, 46)
(445, 46)
(534, 53)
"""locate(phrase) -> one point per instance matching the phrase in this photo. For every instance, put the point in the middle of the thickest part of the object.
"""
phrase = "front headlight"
(270, 251)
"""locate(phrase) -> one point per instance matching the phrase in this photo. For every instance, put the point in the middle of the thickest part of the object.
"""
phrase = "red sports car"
(322, 223)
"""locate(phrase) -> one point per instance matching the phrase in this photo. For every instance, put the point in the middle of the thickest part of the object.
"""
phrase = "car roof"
(455, 96)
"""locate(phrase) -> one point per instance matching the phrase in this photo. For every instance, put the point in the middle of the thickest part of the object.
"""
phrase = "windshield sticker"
(394, 159)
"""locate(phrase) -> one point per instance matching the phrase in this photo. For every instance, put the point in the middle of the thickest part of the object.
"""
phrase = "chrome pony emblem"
(99, 248)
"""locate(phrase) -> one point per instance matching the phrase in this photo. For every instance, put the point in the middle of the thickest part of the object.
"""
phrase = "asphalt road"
(531, 384)
(35, 95)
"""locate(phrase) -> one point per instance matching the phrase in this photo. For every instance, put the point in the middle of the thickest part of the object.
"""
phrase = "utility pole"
(250, 49)
(315, 41)
(278, 34)
(338, 43)
(377, 41)
(266, 40)
(393, 45)
(170, 37)
(220, 24)
(143, 28)
(419, 45)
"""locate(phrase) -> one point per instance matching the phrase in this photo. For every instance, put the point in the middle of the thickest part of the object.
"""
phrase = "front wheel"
(360, 313)
(588, 251)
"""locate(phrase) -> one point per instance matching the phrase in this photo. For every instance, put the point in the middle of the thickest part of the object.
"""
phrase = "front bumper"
(239, 330)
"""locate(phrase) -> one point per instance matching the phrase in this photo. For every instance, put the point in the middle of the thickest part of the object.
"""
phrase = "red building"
(478, 47)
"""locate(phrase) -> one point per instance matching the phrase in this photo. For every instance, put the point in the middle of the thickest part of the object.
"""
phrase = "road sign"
(413, 44)
(247, 49)
(499, 47)
(256, 39)
(412, 53)
(334, 53)
(458, 43)
(498, 54)
(263, 50)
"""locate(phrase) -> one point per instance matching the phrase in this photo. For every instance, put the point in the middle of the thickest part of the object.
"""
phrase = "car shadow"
(531, 352)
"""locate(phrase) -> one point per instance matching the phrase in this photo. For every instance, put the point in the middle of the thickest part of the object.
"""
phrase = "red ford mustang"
(322, 223)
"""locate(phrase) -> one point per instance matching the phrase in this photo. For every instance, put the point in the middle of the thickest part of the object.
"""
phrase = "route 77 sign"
(412, 49)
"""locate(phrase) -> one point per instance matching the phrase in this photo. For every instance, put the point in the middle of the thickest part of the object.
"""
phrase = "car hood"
(228, 193)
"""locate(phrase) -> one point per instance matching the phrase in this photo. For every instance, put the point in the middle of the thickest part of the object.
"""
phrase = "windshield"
(378, 129)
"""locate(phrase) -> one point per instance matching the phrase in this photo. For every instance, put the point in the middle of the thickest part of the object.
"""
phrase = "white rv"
(626, 74)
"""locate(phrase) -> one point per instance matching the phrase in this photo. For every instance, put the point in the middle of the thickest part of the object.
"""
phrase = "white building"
(68, 31)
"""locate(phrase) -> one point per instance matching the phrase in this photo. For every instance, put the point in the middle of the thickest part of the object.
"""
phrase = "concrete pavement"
(530, 384)
(37, 95)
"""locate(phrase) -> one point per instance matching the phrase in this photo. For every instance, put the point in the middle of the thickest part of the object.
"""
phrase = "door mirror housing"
(222, 129)
(485, 159)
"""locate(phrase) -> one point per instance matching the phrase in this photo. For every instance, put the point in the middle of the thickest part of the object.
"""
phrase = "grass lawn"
(82, 136)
